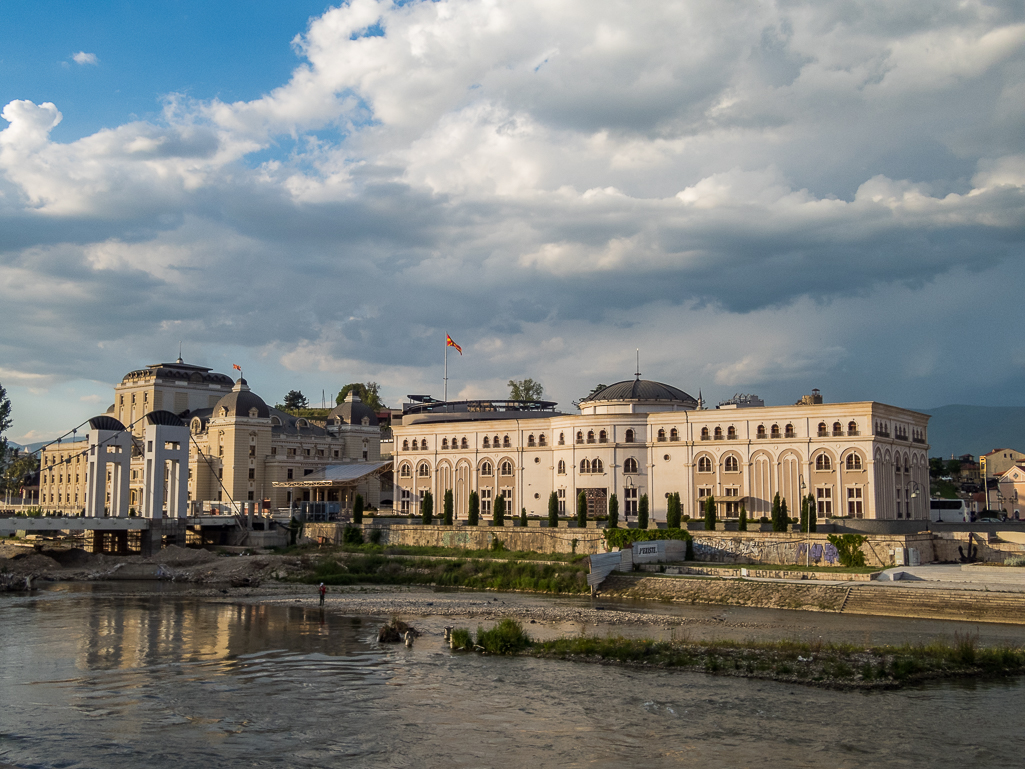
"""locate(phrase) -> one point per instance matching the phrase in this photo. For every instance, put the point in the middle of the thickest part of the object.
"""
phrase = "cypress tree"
(812, 523)
(613, 512)
(523, 517)
(427, 508)
(784, 515)
(473, 509)
(498, 517)
(642, 512)
(553, 510)
(673, 511)
(357, 509)
(804, 513)
(742, 525)
(710, 514)
(581, 510)
(449, 507)
(776, 514)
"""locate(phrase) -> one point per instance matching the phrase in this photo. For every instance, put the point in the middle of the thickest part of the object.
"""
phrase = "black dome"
(164, 418)
(641, 390)
(240, 401)
(106, 422)
(352, 412)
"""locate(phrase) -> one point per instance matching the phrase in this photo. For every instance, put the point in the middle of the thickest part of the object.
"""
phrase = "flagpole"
(446, 369)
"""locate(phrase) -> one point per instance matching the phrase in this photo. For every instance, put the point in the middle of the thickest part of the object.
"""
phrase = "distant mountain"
(975, 429)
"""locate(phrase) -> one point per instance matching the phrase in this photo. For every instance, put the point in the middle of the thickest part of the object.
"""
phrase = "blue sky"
(763, 198)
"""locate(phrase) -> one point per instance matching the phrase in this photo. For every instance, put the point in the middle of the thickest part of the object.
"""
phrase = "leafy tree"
(523, 517)
(498, 515)
(812, 522)
(473, 509)
(581, 509)
(449, 507)
(597, 388)
(553, 510)
(642, 512)
(295, 400)
(357, 509)
(953, 467)
(17, 470)
(613, 511)
(369, 393)
(848, 548)
(710, 513)
(742, 525)
(427, 508)
(5, 422)
(937, 467)
(525, 390)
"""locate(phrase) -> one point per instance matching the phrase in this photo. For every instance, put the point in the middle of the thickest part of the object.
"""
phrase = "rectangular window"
(335, 454)
(824, 501)
(854, 500)
(630, 500)
(250, 496)
(252, 473)
(404, 497)
(485, 501)
(704, 492)
(290, 473)
(252, 451)
(273, 451)
(562, 501)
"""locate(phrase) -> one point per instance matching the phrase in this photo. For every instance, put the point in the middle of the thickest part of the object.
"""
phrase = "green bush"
(623, 538)
(848, 548)
(461, 640)
(507, 637)
(523, 517)
(1015, 560)
(375, 536)
(352, 535)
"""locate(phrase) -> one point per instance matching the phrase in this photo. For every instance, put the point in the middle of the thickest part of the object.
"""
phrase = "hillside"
(975, 429)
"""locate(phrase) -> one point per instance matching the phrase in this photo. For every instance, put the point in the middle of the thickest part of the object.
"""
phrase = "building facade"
(863, 459)
(241, 449)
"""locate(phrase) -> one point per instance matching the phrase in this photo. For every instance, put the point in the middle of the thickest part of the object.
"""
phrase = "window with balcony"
(603, 437)
(704, 465)
(674, 434)
(822, 462)
(731, 465)
(630, 466)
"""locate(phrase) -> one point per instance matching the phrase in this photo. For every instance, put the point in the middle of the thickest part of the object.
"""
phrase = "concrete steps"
(961, 605)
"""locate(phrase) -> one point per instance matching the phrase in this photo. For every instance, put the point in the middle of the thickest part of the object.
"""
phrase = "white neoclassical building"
(636, 437)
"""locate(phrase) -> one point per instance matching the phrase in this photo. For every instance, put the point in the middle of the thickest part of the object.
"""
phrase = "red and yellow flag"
(236, 366)
(450, 343)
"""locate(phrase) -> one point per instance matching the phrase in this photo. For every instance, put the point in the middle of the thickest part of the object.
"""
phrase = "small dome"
(106, 422)
(241, 402)
(352, 412)
(641, 390)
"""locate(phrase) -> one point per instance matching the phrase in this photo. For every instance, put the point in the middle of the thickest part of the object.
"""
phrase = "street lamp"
(916, 490)
(807, 525)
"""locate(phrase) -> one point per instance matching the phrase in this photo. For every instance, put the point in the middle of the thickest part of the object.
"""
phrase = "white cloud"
(82, 58)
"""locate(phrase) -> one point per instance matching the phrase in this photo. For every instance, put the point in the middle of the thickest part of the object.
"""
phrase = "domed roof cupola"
(352, 411)
(241, 402)
(637, 395)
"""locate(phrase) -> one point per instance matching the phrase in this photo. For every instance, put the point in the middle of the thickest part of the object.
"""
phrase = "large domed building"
(639, 438)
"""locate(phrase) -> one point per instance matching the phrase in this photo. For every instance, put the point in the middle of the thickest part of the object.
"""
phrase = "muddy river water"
(93, 677)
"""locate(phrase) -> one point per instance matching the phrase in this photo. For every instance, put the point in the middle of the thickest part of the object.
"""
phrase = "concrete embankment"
(887, 601)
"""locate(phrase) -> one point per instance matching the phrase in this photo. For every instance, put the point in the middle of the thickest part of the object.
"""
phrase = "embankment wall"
(539, 540)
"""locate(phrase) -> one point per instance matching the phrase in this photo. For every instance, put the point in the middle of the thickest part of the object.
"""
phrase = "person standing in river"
(323, 592)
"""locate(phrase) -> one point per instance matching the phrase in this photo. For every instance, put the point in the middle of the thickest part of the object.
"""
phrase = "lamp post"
(807, 525)
(916, 490)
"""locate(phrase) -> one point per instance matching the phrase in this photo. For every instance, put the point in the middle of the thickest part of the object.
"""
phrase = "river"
(93, 678)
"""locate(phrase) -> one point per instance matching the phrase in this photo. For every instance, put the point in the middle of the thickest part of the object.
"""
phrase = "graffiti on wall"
(724, 550)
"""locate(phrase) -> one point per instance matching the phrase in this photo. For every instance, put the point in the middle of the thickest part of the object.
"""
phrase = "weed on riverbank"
(472, 573)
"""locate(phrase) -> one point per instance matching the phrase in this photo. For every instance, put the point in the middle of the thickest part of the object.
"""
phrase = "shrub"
(1015, 560)
(507, 637)
(461, 640)
(623, 538)
(848, 548)
(642, 512)
(523, 516)
(352, 535)
(473, 510)
(613, 511)
(448, 507)
(375, 536)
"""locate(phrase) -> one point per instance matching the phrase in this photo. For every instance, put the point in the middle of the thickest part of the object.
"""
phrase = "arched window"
(603, 437)
(487, 442)
(853, 462)
(661, 435)
(718, 433)
(590, 436)
(444, 443)
(629, 438)
(760, 432)
(405, 445)
(630, 465)
(416, 445)
(822, 462)
(423, 444)
(731, 433)
(837, 429)
(485, 468)
(541, 440)
(562, 439)
(597, 466)
(674, 434)
(495, 442)
(790, 431)
(505, 442)
(585, 466)
(506, 468)
(704, 434)
(704, 465)
(424, 470)
(463, 444)
(562, 467)
(731, 465)
(823, 432)
(775, 431)
(852, 428)
(580, 437)
(530, 440)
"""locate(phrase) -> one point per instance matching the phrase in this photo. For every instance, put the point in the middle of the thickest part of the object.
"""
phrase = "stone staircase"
(961, 605)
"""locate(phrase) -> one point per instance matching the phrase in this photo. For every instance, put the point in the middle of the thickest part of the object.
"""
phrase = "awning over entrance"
(337, 476)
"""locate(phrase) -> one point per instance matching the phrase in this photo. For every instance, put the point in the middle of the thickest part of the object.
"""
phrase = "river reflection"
(95, 680)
